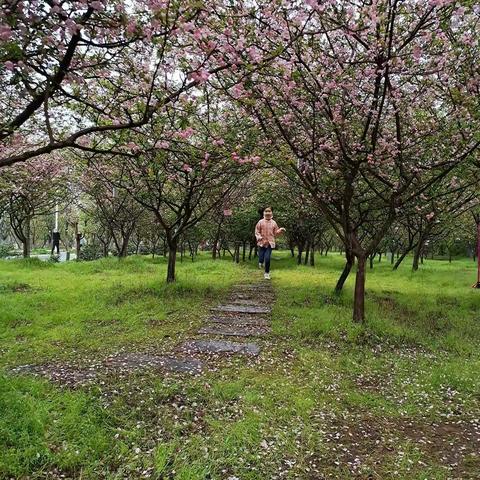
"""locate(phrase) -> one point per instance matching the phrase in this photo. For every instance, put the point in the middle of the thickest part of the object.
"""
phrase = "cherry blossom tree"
(30, 190)
(371, 103)
(73, 69)
(113, 208)
(181, 167)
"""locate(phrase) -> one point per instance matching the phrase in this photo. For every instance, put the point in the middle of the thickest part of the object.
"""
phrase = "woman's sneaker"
(266, 276)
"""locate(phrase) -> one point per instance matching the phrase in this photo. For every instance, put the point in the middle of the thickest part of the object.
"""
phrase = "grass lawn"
(398, 397)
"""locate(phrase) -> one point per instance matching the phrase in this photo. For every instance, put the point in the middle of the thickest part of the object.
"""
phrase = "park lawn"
(398, 397)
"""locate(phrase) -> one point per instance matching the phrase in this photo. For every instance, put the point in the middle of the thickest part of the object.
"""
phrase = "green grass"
(324, 392)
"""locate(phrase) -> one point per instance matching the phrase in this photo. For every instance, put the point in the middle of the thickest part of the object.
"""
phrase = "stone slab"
(265, 287)
(233, 330)
(66, 375)
(241, 309)
(221, 346)
(142, 360)
(250, 302)
(240, 320)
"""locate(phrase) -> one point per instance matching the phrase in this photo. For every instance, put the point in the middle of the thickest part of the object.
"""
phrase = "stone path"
(224, 332)
(247, 314)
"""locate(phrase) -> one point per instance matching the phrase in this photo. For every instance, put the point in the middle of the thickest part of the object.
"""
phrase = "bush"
(91, 252)
(5, 251)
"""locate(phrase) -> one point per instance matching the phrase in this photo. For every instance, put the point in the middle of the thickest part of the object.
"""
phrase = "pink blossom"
(131, 26)
(133, 146)
(162, 144)
(187, 168)
(201, 76)
(254, 54)
(5, 32)
(97, 5)
(186, 133)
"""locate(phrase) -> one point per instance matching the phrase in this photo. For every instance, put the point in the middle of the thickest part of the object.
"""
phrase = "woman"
(265, 232)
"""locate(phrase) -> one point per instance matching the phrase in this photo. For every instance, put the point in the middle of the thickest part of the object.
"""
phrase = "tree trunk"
(416, 256)
(172, 259)
(307, 254)
(400, 259)
(359, 298)
(244, 251)
(216, 242)
(372, 257)
(250, 251)
(27, 241)
(392, 258)
(300, 254)
(78, 238)
(380, 257)
(346, 272)
(124, 246)
(312, 255)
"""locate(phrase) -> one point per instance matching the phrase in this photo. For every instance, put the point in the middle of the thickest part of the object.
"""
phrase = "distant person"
(56, 242)
(266, 231)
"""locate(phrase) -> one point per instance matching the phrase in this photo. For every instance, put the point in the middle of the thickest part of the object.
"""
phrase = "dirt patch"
(371, 383)
(20, 322)
(365, 441)
(72, 375)
(16, 288)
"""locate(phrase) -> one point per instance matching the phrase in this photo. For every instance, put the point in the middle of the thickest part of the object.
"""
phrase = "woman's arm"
(278, 231)
(258, 235)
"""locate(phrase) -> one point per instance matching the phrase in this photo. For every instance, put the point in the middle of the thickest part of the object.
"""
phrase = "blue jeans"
(264, 255)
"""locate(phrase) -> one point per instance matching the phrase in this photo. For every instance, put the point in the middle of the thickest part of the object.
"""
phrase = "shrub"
(6, 251)
(91, 252)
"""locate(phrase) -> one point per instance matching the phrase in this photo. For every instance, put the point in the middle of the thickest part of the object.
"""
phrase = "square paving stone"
(221, 346)
(242, 319)
(252, 302)
(241, 309)
(66, 375)
(233, 330)
(142, 360)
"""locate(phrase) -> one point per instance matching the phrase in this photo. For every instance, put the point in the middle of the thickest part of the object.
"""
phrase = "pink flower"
(9, 65)
(430, 215)
(162, 144)
(187, 168)
(133, 146)
(201, 76)
(96, 5)
(71, 26)
(184, 134)
(187, 27)
(131, 26)
(254, 54)
(5, 32)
